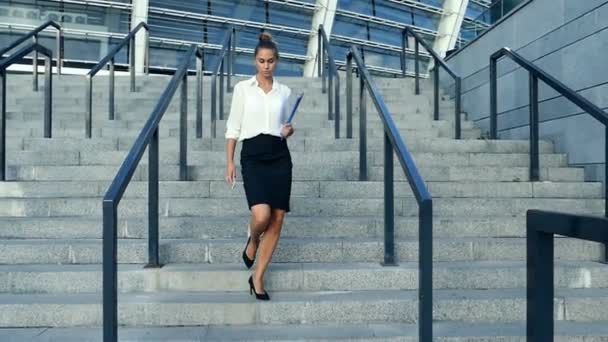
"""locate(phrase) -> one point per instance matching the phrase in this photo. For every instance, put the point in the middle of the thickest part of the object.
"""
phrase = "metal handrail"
(110, 58)
(536, 73)
(34, 34)
(541, 227)
(48, 95)
(394, 142)
(328, 70)
(438, 61)
(147, 139)
(228, 49)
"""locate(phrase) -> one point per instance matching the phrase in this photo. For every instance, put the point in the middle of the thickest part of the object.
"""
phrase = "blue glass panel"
(364, 7)
(347, 27)
(292, 17)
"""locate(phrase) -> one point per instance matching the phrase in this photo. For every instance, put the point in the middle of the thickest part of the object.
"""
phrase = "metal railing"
(438, 62)
(535, 74)
(148, 138)
(394, 142)
(328, 71)
(34, 34)
(110, 58)
(541, 226)
(227, 52)
(48, 95)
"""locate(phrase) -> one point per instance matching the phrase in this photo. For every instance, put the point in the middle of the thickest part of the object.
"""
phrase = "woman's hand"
(230, 176)
(287, 130)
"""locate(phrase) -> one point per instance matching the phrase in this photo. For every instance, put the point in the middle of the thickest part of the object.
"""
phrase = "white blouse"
(254, 112)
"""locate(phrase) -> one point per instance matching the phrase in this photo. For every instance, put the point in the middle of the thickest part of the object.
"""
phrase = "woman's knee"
(260, 215)
(276, 222)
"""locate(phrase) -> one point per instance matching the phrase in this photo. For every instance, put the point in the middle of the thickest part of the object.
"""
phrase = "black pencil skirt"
(266, 167)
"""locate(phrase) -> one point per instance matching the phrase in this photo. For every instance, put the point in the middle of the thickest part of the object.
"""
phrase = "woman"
(257, 117)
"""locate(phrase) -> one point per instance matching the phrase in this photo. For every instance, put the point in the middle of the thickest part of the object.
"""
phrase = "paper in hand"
(295, 108)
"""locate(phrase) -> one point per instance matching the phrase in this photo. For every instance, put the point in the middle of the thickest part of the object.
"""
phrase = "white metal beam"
(449, 26)
(324, 14)
(139, 14)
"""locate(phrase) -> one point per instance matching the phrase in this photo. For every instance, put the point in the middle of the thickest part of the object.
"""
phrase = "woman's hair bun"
(265, 37)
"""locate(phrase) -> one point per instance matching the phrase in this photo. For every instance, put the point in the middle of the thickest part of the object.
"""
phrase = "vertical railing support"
(349, 97)
(540, 287)
(111, 94)
(153, 192)
(403, 52)
(362, 131)
(35, 66)
(425, 267)
(458, 108)
(436, 91)
(199, 96)
(88, 115)
(2, 125)
(222, 89)
(110, 278)
(389, 204)
(48, 96)
(183, 131)
(493, 99)
(417, 53)
(337, 104)
(534, 130)
(330, 89)
(132, 63)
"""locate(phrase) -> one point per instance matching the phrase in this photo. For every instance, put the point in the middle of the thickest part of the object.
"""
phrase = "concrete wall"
(568, 39)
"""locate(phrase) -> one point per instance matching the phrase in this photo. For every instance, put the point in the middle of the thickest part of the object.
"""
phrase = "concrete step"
(340, 206)
(192, 308)
(329, 172)
(322, 189)
(204, 227)
(24, 279)
(438, 145)
(298, 250)
(71, 158)
(372, 332)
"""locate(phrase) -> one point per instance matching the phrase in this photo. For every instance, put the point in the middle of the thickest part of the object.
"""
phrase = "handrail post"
(389, 204)
(362, 130)
(436, 91)
(183, 131)
(35, 65)
(330, 89)
(199, 97)
(458, 107)
(88, 115)
(606, 180)
(319, 47)
(132, 62)
(110, 279)
(349, 96)
(221, 105)
(403, 59)
(153, 175)
(231, 57)
(323, 70)
(425, 269)
(493, 103)
(147, 53)
(213, 107)
(337, 103)
(112, 90)
(48, 96)
(3, 125)
(59, 50)
(534, 129)
(540, 287)
(417, 52)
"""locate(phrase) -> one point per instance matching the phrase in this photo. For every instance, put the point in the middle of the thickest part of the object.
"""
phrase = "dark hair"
(266, 42)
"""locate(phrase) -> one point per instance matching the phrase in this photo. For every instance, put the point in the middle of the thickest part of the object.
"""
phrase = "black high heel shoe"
(248, 262)
(263, 296)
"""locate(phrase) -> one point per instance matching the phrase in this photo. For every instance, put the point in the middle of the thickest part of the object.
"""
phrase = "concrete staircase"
(326, 281)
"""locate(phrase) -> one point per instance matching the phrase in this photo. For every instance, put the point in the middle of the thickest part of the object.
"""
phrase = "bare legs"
(269, 222)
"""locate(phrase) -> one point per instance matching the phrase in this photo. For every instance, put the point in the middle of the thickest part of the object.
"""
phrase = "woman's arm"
(230, 176)
(233, 130)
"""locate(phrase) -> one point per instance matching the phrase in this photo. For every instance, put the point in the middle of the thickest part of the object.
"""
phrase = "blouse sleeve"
(235, 118)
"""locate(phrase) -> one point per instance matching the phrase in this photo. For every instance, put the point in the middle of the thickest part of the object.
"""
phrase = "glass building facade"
(92, 27)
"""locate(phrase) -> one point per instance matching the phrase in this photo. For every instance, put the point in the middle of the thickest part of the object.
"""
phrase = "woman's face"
(265, 62)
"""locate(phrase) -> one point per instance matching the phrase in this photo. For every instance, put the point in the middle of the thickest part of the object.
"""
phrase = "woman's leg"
(260, 219)
(267, 247)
